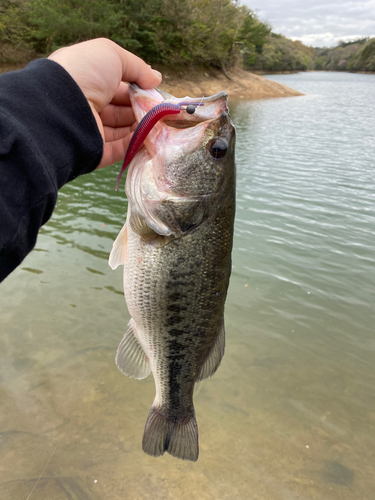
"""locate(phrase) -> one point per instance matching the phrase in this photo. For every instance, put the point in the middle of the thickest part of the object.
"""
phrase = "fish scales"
(176, 284)
(179, 302)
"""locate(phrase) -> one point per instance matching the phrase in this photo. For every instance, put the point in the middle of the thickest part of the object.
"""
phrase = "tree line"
(220, 33)
(281, 54)
(212, 32)
(357, 55)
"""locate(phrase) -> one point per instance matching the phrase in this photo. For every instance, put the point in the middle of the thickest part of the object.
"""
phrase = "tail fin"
(179, 439)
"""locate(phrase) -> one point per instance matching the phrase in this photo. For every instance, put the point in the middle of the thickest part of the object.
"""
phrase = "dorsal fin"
(214, 357)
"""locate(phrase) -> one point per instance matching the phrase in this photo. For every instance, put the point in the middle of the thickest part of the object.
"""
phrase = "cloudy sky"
(318, 22)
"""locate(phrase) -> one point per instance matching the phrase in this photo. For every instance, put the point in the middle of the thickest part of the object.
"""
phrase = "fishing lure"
(148, 122)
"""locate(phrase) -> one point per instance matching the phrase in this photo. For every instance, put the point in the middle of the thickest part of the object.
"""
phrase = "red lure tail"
(144, 128)
(147, 123)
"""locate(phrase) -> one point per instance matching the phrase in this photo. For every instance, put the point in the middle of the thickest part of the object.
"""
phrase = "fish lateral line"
(148, 122)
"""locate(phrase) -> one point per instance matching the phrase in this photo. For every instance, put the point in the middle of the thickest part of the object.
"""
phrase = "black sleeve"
(48, 136)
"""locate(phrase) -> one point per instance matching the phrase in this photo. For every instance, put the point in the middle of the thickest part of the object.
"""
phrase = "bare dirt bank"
(195, 82)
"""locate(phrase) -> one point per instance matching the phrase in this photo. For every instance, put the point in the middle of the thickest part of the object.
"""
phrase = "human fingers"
(122, 97)
(134, 69)
(98, 66)
(113, 134)
(117, 116)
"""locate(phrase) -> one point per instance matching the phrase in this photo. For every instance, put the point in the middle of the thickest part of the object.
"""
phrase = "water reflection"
(290, 413)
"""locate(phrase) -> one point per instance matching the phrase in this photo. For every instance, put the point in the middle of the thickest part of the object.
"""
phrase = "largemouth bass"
(176, 251)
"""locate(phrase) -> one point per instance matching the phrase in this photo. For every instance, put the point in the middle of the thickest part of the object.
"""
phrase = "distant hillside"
(282, 54)
(358, 55)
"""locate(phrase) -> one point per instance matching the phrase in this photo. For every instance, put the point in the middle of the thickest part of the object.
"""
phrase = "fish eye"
(217, 148)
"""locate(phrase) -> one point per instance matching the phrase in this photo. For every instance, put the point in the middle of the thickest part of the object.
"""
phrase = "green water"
(290, 414)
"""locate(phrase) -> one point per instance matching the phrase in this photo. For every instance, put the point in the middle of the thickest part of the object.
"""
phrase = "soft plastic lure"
(148, 122)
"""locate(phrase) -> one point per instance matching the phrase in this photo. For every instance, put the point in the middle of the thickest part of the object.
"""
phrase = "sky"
(318, 23)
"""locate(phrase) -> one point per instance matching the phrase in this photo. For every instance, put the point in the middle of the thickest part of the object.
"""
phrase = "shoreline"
(197, 81)
(239, 84)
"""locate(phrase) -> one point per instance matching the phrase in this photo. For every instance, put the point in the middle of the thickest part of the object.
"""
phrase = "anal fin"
(130, 357)
(214, 357)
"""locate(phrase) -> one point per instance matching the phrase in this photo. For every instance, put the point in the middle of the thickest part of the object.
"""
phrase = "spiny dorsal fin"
(213, 360)
(130, 357)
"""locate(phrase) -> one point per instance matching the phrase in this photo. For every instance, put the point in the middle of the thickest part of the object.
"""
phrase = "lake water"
(290, 414)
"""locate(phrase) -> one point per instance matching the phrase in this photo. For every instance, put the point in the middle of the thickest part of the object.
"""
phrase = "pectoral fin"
(118, 253)
(213, 360)
(130, 357)
(139, 226)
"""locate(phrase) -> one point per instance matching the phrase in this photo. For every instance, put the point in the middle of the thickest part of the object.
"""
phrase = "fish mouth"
(167, 96)
(211, 108)
(170, 98)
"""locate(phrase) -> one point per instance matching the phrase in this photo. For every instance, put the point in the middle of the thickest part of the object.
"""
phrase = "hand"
(100, 67)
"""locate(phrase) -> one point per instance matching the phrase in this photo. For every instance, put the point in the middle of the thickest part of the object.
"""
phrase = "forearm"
(48, 136)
